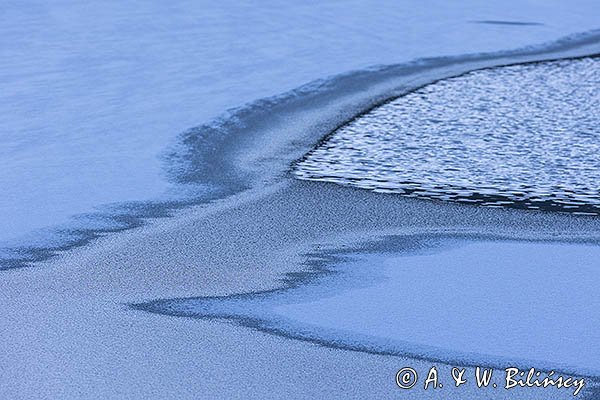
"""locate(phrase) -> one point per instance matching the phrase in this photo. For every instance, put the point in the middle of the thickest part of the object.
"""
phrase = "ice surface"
(525, 136)
(487, 301)
(94, 92)
(504, 300)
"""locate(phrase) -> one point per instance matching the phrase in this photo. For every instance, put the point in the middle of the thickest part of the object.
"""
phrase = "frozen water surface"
(525, 136)
(94, 93)
(478, 301)
(504, 300)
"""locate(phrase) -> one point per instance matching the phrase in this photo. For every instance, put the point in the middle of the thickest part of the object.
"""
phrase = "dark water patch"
(500, 22)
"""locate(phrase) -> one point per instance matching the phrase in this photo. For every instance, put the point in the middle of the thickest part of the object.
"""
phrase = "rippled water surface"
(525, 136)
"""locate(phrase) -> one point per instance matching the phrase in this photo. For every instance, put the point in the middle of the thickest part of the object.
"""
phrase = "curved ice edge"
(318, 165)
(254, 310)
(208, 156)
